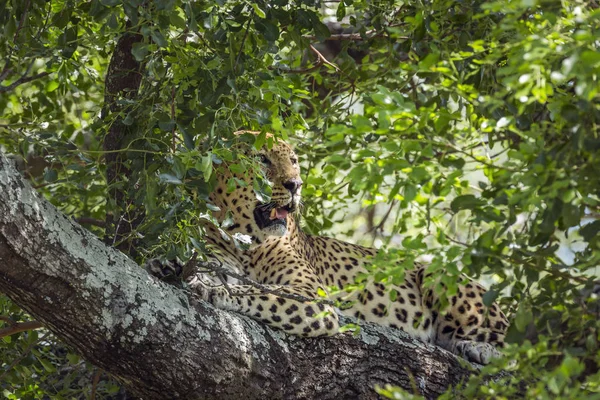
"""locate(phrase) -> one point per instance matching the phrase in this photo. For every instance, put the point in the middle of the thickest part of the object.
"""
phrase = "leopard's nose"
(293, 185)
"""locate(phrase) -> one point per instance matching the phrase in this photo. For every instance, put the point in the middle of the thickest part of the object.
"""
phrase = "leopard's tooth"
(273, 214)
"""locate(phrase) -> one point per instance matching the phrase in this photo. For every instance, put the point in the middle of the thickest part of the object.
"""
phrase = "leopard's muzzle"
(270, 215)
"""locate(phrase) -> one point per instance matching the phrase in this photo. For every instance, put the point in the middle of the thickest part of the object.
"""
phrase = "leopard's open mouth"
(270, 214)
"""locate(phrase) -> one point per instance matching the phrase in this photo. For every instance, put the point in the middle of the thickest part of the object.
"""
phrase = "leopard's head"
(260, 219)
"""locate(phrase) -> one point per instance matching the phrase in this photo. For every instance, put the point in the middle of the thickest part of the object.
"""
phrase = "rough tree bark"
(162, 344)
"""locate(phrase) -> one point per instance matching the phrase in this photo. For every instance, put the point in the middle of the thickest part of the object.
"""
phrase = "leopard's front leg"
(283, 307)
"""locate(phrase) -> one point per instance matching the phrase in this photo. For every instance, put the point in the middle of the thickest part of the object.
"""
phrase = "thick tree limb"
(164, 345)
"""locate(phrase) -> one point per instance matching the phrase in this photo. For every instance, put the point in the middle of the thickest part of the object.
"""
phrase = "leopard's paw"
(479, 352)
(200, 286)
(167, 271)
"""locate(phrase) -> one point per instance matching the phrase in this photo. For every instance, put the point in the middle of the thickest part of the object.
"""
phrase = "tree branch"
(162, 344)
(23, 79)
(323, 60)
(20, 327)
(373, 33)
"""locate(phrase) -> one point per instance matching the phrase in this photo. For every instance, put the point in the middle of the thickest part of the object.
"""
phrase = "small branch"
(20, 327)
(95, 381)
(23, 79)
(24, 354)
(173, 119)
(8, 320)
(90, 221)
(42, 185)
(237, 59)
(22, 21)
(552, 271)
(323, 60)
(379, 226)
(6, 71)
(357, 36)
(315, 67)
(475, 158)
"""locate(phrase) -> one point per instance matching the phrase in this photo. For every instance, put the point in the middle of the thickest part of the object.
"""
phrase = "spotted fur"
(286, 260)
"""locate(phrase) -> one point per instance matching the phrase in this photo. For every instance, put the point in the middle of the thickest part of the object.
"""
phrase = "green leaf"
(51, 175)
(167, 126)
(159, 39)
(206, 167)
(262, 190)
(349, 328)
(110, 3)
(258, 11)
(188, 139)
(571, 216)
(129, 119)
(268, 29)
(177, 21)
(303, 18)
(260, 140)
(490, 297)
(341, 11)
(73, 358)
(10, 28)
(410, 192)
(47, 365)
(321, 30)
(523, 317)
(51, 86)
(428, 61)
(466, 202)
(168, 178)
(590, 230)
(139, 51)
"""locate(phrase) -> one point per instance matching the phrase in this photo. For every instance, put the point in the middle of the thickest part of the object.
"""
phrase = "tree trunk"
(163, 344)
(123, 80)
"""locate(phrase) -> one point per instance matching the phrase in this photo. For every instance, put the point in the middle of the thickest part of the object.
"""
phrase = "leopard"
(294, 276)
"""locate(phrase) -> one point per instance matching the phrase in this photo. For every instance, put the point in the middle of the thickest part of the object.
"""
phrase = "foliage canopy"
(464, 132)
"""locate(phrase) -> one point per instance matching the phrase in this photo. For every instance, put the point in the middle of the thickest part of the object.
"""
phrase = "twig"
(22, 356)
(8, 320)
(373, 33)
(173, 119)
(23, 79)
(475, 158)
(90, 221)
(20, 327)
(21, 21)
(95, 381)
(6, 71)
(243, 41)
(323, 59)
(552, 271)
(385, 217)
(189, 267)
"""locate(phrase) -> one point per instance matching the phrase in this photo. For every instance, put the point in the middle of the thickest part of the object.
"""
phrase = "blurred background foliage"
(461, 133)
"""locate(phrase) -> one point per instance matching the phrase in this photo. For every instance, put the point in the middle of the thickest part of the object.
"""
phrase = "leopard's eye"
(264, 159)
(294, 160)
